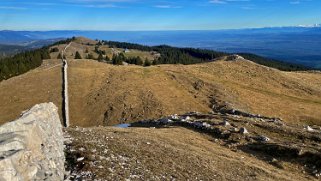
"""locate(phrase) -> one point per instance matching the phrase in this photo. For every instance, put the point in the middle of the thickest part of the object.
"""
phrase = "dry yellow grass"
(37, 86)
(295, 97)
(111, 94)
(104, 94)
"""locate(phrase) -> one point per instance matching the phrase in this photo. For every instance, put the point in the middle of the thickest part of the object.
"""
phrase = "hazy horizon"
(222, 29)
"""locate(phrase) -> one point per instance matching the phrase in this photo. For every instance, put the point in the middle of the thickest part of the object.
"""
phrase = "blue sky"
(155, 14)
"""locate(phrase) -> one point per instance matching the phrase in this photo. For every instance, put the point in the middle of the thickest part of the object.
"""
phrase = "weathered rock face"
(31, 147)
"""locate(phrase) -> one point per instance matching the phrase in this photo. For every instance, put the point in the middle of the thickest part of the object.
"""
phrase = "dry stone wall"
(65, 88)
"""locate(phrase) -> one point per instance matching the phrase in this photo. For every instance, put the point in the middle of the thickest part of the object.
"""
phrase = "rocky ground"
(194, 146)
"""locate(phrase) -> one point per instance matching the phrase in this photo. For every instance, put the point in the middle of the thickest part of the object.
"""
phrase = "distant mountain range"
(299, 44)
(311, 26)
(25, 38)
(16, 37)
(14, 47)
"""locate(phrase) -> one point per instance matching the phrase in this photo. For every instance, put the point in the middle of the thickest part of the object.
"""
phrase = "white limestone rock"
(31, 147)
(308, 128)
(226, 123)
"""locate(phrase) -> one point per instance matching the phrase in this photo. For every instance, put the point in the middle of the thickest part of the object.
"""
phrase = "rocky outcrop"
(31, 147)
(234, 57)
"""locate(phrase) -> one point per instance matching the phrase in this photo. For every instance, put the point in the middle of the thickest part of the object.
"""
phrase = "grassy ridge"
(174, 55)
(23, 62)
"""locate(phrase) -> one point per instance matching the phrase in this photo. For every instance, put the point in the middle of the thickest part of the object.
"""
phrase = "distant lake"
(290, 44)
(302, 47)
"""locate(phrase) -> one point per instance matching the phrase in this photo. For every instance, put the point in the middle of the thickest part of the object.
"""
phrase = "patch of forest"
(25, 61)
(284, 66)
(22, 62)
(172, 55)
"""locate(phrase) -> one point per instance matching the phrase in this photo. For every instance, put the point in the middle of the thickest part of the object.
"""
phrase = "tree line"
(22, 62)
(172, 55)
(28, 60)
(118, 59)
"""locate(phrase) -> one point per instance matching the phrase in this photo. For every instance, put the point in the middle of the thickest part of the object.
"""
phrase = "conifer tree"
(139, 61)
(90, 56)
(147, 63)
(107, 59)
(77, 56)
(100, 57)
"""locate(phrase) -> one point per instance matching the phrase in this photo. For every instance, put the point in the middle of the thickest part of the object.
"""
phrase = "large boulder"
(31, 147)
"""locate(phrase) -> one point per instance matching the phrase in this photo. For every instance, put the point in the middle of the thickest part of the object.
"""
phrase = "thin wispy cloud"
(99, 1)
(12, 8)
(100, 6)
(295, 2)
(248, 7)
(41, 4)
(167, 6)
(217, 2)
(226, 1)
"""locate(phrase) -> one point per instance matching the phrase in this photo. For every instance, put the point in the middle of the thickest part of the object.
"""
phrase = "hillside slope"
(42, 84)
(104, 94)
(230, 143)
